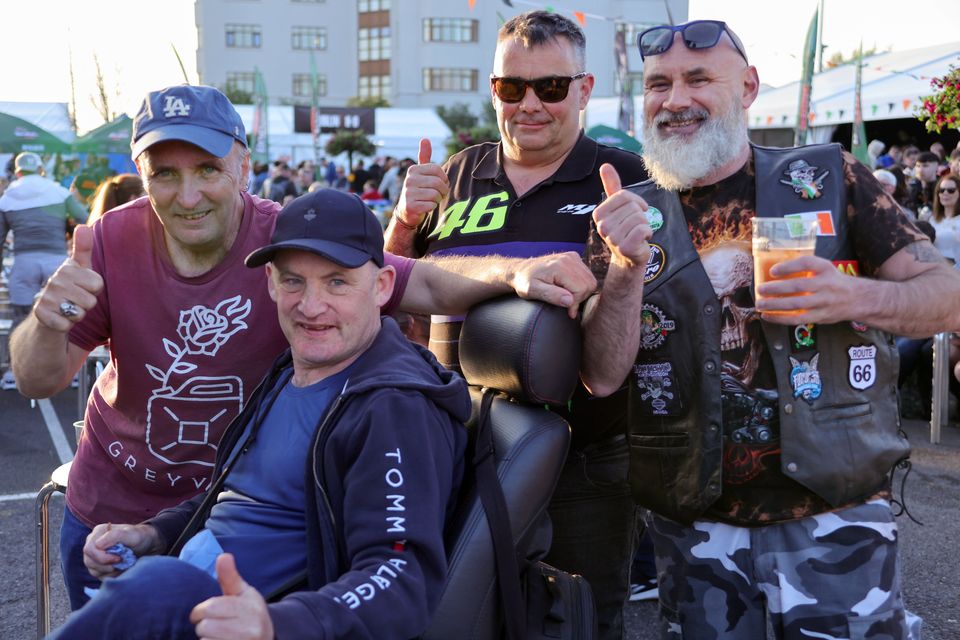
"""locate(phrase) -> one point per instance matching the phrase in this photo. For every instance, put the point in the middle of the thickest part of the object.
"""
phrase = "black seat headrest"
(527, 349)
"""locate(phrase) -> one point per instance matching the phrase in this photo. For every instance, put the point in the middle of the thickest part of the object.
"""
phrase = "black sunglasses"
(549, 89)
(948, 189)
(699, 34)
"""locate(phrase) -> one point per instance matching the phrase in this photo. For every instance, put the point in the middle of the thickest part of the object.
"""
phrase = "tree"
(350, 141)
(101, 101)
(472, 130)
(457, 116)
(236, 95)
(371, 102)
(838, 59)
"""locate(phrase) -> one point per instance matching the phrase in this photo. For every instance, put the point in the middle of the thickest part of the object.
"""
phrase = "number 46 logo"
(489, 213)
(863, 366)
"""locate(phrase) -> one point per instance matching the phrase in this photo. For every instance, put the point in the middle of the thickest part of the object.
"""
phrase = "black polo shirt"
(483, 215)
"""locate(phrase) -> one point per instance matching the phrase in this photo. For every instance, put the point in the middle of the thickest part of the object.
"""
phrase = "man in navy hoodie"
(333, 486)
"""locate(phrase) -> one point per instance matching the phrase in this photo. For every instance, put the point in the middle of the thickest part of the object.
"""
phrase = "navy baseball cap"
(197, 114)
(333, 224)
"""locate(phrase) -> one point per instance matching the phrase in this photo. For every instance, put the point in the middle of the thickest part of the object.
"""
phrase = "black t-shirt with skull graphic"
(755, 491)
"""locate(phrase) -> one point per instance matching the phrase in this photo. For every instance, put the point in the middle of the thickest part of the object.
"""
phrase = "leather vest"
(837, 384)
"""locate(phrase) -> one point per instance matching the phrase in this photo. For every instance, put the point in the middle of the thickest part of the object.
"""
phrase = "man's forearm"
(400, 239)
(41, 359)
(611, 330)
(921, 306)
(452, 284)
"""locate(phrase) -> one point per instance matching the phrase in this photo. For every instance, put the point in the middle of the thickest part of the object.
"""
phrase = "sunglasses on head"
(548, 89)
(699, 34)
(948, 189)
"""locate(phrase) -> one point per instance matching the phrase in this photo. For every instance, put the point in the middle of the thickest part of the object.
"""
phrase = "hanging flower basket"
(941, 109)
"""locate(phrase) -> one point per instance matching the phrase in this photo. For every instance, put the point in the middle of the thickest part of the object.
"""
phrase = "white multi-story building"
(413, 53)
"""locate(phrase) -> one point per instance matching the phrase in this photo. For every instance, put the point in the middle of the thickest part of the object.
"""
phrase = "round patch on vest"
(656, 263)
(654, 218)
(654, 327)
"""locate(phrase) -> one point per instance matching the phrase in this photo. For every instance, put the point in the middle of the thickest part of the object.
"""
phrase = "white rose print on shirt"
(182, 419)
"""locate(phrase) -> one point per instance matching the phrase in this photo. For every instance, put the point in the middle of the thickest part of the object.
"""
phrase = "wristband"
(403, 224)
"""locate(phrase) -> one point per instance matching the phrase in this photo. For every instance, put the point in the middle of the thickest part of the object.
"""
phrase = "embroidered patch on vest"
(804, 179)
(805, 378)
(654, 327)
(656, 263)
(804, 337)
(654, 382)
(858, 326)
(862, 373)
(848, 267)
(654, 218)
(824, 221)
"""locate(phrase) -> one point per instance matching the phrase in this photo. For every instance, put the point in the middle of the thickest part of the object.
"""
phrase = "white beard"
(676, 162)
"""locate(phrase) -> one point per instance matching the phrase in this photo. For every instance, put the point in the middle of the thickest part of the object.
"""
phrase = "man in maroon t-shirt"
(190, 329)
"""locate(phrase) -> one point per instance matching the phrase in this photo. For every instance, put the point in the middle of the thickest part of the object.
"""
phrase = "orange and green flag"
(806, 82)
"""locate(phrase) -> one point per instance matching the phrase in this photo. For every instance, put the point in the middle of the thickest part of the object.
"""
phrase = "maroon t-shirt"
(186, 353)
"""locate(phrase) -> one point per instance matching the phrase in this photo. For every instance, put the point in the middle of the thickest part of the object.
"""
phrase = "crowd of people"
(236, 451)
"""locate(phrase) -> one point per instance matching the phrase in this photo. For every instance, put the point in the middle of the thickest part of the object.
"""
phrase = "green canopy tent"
(112, 137)
(18, 135)
(614, 138)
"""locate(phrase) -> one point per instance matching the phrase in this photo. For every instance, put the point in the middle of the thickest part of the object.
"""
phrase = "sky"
(134, 41)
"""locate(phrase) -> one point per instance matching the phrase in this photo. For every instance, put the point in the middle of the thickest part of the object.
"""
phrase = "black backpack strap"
(498, 518)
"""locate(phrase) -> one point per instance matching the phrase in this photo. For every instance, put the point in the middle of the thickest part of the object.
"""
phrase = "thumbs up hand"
(72, 290)
(622, 223)
(425, 187)
(239, 614)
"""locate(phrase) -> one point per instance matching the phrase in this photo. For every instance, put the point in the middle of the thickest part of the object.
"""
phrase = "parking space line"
(18, 496)
(64, 452)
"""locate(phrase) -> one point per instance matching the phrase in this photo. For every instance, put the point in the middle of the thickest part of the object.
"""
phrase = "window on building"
(633, 29)
(302, 88)
(449, 79)
(374, 87)
(373, 44)
(308, 37)
(244, 36)
(241, 81)
(636, 83)
(449, 30)
(366, 6)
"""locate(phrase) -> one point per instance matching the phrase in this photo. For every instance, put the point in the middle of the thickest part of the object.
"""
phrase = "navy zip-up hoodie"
(383, 475)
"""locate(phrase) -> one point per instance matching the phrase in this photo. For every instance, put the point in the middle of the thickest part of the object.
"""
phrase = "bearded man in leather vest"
(761, 442)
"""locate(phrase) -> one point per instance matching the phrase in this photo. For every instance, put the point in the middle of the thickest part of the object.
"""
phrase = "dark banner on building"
(333, 118)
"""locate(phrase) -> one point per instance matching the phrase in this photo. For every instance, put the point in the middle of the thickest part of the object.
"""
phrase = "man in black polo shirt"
(530, 194)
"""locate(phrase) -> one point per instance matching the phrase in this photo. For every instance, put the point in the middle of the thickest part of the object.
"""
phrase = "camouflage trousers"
(833, 576)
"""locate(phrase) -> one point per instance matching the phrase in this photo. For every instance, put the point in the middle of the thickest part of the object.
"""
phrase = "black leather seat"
(530, 353)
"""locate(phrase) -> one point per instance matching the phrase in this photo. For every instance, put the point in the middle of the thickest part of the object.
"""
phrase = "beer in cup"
(777, 240)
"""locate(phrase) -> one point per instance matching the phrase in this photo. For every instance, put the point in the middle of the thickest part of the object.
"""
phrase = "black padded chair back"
(530, 352)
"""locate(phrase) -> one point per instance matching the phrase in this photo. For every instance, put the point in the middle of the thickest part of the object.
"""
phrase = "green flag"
(259, 132)
(858, 145)
(314, 108)
(806, 82)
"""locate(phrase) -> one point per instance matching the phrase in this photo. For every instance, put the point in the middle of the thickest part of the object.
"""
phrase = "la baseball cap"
(27, 162)
(332, 224)
(197, 114)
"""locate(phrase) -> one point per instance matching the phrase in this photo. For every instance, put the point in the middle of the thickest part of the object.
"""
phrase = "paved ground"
(931, 563)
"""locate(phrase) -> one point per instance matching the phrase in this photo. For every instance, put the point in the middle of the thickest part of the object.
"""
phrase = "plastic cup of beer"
(777, 240)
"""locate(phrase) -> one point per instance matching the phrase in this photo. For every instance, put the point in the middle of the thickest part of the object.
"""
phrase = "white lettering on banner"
(366, 591)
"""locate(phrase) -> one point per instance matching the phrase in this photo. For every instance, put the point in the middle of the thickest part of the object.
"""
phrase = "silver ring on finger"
(68, 309)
